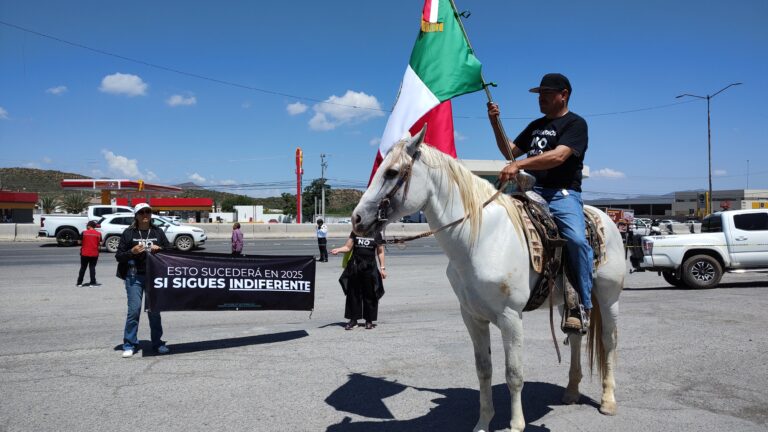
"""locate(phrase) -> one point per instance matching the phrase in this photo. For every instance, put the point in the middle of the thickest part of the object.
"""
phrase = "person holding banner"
(137, 240)
(362, 279)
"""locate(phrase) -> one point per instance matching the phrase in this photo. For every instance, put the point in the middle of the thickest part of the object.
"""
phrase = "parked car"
(730, 241)
(640, 228)
(68, 228)
(345, 221)
(183, 238)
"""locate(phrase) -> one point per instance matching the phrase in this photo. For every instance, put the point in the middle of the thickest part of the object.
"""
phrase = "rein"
(402, 240)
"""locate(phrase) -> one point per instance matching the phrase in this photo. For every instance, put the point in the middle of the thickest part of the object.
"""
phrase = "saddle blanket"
(536, 246)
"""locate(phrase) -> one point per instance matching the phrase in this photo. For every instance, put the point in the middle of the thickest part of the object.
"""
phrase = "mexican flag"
(441, 67)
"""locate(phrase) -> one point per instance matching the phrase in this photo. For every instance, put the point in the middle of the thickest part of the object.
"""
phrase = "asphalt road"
(688, 360)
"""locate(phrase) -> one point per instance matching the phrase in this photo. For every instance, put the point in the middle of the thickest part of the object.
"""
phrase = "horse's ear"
(417, 140)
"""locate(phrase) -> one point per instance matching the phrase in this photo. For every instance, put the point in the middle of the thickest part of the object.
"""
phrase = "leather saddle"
(546, 247)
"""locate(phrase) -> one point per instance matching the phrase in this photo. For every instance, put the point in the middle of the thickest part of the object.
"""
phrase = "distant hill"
(48, 183)
(44, 182)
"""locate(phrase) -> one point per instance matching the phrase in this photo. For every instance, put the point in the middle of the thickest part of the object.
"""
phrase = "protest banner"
(178, 281)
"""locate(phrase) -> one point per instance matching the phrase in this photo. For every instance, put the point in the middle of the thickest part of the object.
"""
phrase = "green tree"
(289, 203)
(75, 202)
(48, 204)
(228, 204)
(312, 191)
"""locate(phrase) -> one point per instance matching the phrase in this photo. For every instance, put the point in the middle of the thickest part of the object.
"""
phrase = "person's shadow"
(145, 346)
(456, 410)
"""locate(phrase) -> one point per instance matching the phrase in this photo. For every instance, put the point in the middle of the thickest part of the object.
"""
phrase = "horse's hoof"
(608, 408)
(570, 398)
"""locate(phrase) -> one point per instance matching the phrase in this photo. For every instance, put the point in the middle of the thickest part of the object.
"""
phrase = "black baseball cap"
(553, 81)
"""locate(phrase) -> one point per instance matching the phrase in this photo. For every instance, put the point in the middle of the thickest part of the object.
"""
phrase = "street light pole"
(323, 166)
(709, 137)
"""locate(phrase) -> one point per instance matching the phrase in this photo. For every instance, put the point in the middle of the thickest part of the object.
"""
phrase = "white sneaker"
(127, 353)
(162, 349)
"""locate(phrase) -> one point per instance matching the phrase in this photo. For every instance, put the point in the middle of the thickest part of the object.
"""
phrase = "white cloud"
(296, 108)
(607, 173)
(197, 178)
(180, 100)
(122, 165)
(3, 114)
(59, 90)
(32, 165)
(226, 182)
(150, 176)
(124, 84)
(457, 136)
(353, 107)
(246, 105)
(374, 142)
(720, 172)
(47, 160)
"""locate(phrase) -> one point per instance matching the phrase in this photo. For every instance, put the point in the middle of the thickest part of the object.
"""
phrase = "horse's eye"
(390, 173)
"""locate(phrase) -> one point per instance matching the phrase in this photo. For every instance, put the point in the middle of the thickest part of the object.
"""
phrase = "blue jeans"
(134, 289)
(568, 211)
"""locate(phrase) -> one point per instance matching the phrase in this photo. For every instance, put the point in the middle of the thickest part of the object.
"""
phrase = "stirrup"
(575, 321)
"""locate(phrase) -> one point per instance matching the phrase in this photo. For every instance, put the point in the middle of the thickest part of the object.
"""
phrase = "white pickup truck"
(68, 228)
(731, 241)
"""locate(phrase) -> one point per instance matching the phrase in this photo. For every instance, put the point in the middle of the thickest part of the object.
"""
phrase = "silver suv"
(183, 238)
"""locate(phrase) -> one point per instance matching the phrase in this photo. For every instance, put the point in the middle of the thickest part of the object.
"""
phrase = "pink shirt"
(237, 240)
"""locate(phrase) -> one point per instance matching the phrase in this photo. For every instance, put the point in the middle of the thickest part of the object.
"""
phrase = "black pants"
(89, 262)
(361, 298)
(321, 243)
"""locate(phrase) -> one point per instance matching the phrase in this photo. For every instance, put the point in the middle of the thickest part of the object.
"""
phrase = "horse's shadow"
(456, 410)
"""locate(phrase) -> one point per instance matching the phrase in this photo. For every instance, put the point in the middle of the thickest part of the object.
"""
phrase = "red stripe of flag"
(439, 135)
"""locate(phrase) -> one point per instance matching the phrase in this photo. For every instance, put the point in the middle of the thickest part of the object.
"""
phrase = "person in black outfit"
(555, 146)
(138, 240)
(362, 279)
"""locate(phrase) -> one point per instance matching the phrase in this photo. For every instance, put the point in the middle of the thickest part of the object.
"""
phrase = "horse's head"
(397, 189)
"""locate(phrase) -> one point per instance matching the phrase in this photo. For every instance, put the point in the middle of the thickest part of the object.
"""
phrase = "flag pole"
(506, 149)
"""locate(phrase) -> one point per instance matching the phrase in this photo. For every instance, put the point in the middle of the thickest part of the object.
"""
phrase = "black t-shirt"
(545, 134)
(133, 236)
(366, 246)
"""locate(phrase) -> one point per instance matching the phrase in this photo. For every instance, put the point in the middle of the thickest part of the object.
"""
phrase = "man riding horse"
(555, 145)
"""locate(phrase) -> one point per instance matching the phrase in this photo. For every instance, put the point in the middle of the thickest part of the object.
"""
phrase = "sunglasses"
(144, 211)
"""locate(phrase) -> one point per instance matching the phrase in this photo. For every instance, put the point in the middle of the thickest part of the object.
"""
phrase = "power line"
(278, 93)
(181, 72)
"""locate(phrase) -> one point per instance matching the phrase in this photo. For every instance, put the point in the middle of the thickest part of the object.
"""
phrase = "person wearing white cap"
(137, 240)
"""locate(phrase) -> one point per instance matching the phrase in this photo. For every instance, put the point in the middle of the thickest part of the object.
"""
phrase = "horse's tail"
(595, 345)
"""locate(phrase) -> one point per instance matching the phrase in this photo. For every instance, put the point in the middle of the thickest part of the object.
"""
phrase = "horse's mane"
(473, 190)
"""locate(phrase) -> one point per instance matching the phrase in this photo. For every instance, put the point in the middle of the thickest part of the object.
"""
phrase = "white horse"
(489, 265)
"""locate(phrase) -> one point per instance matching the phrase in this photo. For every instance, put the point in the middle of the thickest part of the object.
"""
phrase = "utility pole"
(323, 166)
(709, 137)
(747, 174)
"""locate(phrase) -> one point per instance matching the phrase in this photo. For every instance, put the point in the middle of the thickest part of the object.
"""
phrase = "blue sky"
(72, 109)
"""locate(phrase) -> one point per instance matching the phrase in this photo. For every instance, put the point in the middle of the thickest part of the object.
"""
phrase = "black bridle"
(403, 180)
